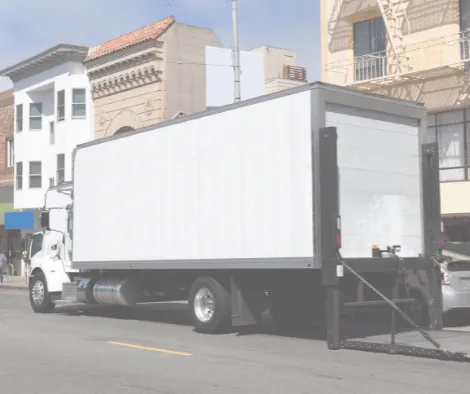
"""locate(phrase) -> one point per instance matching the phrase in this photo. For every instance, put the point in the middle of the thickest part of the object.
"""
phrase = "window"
(51, 182)
(78, 103)
(10, 152)
(51, 133)
(60, 168)
(451, 130)
(36, 244)
(464, 15)
(35, 116)
(465, 31)
(19, 175)
(60, 106)
(35, 175)
(370, 46)
(19, 118)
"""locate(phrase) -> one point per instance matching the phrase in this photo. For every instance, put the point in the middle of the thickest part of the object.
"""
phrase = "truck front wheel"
(209, 302)
(39, 296)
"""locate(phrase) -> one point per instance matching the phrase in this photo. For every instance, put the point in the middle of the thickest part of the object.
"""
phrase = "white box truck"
(235, 210)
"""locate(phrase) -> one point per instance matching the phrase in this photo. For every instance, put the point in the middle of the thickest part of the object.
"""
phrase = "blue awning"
(19, 220)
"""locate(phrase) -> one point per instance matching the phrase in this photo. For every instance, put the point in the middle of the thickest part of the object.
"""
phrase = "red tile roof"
(150, 32)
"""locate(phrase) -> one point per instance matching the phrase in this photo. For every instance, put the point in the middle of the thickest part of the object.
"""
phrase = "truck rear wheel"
(209, 302)
(39, 296)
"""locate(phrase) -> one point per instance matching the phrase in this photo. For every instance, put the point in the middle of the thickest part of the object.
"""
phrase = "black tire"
(419, 311)
(220, 318)
(46, 306)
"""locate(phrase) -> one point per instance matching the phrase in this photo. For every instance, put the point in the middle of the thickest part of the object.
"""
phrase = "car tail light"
(338, 232)
(446, 279)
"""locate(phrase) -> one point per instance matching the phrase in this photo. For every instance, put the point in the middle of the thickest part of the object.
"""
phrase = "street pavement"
(152, 349)
(14, 282)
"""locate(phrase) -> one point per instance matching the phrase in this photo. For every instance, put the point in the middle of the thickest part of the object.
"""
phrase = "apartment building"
(53, 113)
(417, 50)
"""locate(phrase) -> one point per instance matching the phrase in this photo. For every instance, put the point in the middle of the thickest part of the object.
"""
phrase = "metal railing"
(441, 52)
(370, 66)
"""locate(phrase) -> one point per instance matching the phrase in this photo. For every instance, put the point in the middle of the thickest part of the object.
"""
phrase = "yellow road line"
(150, 348)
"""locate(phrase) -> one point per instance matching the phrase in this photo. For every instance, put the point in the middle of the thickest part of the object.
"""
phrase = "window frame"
(36, 236)
(75, 104)
(19, 122)
(60, 106)
(375, 66)
(434, 127)
(9, 152)
(40, 117)
(60, 170)
(30, 175)
(51, 133)
(19, 175)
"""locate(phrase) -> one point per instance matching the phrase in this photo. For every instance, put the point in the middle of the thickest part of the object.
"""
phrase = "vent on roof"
(294, 73)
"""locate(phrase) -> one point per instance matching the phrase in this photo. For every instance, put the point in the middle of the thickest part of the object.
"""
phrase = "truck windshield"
(460, 265)
(36, 244)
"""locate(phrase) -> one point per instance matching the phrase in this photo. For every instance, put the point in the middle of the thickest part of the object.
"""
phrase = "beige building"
(280, 69)
(417, 50)
(148, 76)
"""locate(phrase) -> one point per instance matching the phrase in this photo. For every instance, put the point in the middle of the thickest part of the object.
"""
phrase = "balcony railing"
(447, 52)
(370, 66)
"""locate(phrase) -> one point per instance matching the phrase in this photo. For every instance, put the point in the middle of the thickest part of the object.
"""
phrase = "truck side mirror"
(45, 220)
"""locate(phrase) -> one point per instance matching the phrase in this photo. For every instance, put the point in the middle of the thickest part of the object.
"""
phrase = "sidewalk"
(14, 282)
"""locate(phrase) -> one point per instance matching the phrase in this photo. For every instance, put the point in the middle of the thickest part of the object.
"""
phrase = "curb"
(12, 287)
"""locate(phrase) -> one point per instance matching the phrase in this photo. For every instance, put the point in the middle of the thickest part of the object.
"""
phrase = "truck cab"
(49, 251)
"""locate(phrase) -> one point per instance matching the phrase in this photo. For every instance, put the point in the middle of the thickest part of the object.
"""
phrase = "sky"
(28, 27)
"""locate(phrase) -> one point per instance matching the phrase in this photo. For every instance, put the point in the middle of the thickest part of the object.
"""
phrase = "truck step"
(70, 292)
(377, 303)
(66, 302)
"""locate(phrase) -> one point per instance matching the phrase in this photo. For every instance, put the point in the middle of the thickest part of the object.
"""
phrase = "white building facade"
(53, 114)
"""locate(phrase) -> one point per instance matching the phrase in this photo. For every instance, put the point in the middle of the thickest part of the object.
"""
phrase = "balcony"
(428, 59)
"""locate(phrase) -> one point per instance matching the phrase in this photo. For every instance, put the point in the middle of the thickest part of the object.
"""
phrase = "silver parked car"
(455, 282)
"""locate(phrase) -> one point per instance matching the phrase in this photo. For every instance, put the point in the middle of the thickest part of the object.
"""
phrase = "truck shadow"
(164, 312)
(176, 313)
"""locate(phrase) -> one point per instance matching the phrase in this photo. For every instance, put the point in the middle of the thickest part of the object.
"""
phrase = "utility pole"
(236, 52)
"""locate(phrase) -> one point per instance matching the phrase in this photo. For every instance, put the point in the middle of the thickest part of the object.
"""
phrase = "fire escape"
(402, 66)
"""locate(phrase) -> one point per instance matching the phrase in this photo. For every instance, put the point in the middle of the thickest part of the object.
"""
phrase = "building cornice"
(52, 57)
(125, 81)
(120, 66)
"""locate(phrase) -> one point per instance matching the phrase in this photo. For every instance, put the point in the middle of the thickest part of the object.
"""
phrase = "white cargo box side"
(232, 189)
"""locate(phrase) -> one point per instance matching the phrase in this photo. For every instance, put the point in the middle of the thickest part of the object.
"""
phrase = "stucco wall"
(184, 71)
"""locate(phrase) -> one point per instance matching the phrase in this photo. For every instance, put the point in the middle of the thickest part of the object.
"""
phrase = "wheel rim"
(204, 305)
(37, 292)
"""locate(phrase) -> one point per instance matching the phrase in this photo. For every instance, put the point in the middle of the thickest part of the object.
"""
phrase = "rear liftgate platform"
(416, 341)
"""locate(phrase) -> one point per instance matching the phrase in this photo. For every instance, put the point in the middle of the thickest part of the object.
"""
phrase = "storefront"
(18, 227)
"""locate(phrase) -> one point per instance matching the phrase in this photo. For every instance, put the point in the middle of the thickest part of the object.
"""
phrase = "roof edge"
(6, 72)
(90, 56)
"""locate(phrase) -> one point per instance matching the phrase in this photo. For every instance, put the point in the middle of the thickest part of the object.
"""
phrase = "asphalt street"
(152, 349)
